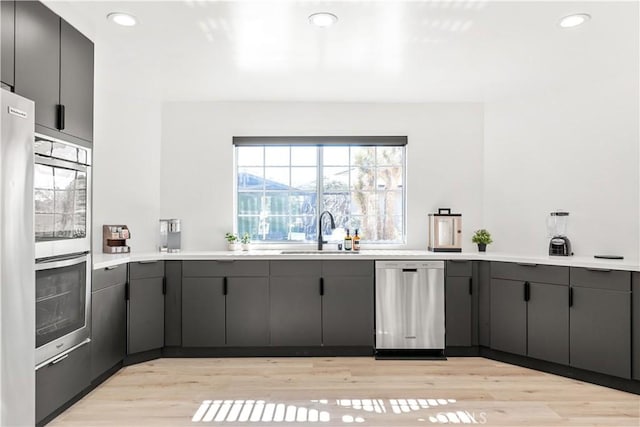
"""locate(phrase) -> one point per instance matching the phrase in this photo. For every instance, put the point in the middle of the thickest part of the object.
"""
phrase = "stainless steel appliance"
(445, 231)
(557, 229)
(410, 309)
(63, 304)
(170, 235)
(17, 317)
(62, 190)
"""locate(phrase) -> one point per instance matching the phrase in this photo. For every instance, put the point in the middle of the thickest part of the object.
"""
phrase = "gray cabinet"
(173, 304)
(7, 27)
(146, 306)
(225, 303)
(508, 316)
(61, 380)
(600, 321)
(54, 68)
(459, 304)
(108, 319)
(484, 303)
(530, 310)
(635, 327)
(295, 303)
(347, 303)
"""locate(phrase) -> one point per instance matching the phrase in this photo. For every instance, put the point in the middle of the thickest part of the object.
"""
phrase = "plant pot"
(482, 247)
(232, 246)
(246, 246)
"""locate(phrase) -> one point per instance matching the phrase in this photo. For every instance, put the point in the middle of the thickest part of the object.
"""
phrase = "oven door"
(63, 304)
(62, 192)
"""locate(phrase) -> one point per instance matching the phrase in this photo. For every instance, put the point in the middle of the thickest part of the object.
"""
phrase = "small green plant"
(245, 239)
(231, 238)
(482, 236)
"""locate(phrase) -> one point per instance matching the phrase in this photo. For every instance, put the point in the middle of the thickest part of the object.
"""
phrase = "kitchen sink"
(313, 252)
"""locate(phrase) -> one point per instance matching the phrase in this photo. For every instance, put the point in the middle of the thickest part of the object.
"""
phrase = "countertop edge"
(106, 260)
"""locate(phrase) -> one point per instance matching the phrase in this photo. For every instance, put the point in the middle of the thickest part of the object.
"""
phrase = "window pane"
(339, 206)
(363, 202)
(304, 178)
(363, 178)
(276, 178)
(335, 156)
(336, 179)
(248, 224)
(250, 156)
(304, 156)
(250, 178)
(276, 156)
(302, 228)
(363, 156)
(302, 203)
(276, 203)
(389, 178)
(389, 203)
(389, 156)
(249, 203)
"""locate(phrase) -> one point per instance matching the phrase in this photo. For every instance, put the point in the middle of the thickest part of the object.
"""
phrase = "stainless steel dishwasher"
(410, 309)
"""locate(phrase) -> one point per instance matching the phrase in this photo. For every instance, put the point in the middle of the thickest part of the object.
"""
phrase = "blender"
(557, 230)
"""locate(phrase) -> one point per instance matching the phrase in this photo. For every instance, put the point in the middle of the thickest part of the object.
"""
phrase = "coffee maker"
(559, 245)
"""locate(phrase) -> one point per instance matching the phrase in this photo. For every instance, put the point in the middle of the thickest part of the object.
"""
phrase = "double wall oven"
(62, 193)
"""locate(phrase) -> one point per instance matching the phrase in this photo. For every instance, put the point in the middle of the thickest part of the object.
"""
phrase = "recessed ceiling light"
(323, 19)
(574, 20)
(122, 18)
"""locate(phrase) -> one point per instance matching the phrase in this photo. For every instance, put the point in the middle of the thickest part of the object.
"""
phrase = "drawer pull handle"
(147, 262)
(527, 291)
(570, 297)
(458, 260)
(527, 264)
(111, 267)
(600, 270)
(59, 359)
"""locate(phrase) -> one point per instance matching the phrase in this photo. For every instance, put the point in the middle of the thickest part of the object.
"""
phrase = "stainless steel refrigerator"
(17, 262)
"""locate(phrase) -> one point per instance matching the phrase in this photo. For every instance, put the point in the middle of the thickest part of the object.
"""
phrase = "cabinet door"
(347, 311)
(203, 312)
(548, 323)
(508, 316)
(248, 311)
(76, 82)
(108, 328)
(61, 381)
(295, 311)
(7, 14)
(636, 326)
(37, 60)
(146, 314)
(484, 303)
(458, 299)
(600, 325)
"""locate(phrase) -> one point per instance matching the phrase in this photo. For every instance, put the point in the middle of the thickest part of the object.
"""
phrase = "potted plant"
(245, 240)
(232, 240)
(482, 237)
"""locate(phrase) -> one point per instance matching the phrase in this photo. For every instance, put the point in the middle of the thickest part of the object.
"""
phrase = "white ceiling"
(391, 51)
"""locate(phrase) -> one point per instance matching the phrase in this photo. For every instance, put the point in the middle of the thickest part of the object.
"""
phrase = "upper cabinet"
(54, 68)
(7, 20)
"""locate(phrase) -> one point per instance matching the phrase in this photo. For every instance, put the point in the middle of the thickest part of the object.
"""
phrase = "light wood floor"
(343, 391)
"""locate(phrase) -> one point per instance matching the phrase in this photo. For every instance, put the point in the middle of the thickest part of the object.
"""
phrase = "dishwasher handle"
(409, 270)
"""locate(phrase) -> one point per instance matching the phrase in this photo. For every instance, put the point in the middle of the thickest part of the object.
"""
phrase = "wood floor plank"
(344, 391)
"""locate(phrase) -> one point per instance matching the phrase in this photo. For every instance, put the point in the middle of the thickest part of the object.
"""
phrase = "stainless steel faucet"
(333, 226)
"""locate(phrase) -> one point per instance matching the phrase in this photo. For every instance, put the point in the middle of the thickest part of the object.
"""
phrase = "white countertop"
(101, 260)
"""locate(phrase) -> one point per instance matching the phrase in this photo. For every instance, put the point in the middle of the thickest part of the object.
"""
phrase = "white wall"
(573, 148)
(444, 153)
(126, 171)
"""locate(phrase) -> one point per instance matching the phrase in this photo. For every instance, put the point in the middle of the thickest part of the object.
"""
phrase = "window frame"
(320, 142)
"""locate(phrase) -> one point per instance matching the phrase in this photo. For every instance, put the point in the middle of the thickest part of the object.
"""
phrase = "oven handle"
(59, 163)
(61, 261)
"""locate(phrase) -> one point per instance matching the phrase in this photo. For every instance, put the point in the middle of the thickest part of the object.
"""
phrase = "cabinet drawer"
(347, 268)
(601, 279)
(58, 383)
(459, 268)
(145, 269)
(229, 268)
(109, 276)
(296, 268)
(530, 272)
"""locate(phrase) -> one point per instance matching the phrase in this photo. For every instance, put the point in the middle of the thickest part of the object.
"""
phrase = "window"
(284, 183)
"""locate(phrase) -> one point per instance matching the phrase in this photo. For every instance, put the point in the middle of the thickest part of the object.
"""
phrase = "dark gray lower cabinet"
(600, 325)
(61, 380)
(296, 309)
(508, 316)
(146, 314)
(247, 311)
(548, 323)
(173, 304)
(108, 328)
(458, 308)
(484, 303)
(635, 326)
(203, 312)
(347, 311)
